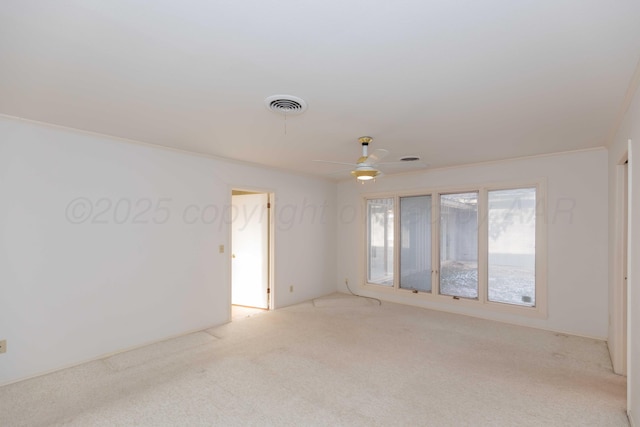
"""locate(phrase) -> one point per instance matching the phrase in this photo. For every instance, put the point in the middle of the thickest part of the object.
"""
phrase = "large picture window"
(481, 245)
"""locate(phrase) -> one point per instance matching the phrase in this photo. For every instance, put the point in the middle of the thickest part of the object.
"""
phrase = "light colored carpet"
(336, 361)
(239, 312)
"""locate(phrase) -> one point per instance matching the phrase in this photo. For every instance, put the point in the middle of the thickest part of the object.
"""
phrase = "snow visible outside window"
(459, 244)
(512, 246)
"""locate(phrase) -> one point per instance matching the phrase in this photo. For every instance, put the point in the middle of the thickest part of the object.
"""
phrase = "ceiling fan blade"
(405, 163)
(335, 163)
(340, 172)
(376, 156)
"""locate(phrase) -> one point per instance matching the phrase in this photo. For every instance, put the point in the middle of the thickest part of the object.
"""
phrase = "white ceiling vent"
(286, 104)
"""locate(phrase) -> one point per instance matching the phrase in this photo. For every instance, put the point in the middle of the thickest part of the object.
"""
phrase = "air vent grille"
(286, 104)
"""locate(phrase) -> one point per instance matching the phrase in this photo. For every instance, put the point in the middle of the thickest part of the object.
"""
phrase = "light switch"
(221, 249)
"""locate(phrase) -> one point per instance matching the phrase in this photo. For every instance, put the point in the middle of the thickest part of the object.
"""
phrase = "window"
(415, 243)
(512, 246)
(380, 241)
(459, 245)
(484, 245)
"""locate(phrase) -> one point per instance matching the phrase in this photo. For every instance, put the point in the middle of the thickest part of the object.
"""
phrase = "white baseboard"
(105, 355)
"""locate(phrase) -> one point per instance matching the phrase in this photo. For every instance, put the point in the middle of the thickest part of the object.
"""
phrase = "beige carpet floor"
(336, 361)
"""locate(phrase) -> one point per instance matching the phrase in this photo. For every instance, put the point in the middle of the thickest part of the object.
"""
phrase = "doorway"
(251, 260)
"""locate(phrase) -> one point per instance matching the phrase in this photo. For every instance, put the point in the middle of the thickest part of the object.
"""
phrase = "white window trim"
(482, 302)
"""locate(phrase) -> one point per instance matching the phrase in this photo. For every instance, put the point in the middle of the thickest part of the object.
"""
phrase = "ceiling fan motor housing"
(364, 141)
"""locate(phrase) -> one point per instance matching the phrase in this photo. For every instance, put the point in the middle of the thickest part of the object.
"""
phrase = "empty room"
(299, 213)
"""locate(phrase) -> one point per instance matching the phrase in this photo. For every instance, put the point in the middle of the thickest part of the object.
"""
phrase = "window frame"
(482, 301)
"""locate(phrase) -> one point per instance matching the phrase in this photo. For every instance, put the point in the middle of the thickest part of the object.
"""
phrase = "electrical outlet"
(291, 288)
(221, 249)
(3, 346)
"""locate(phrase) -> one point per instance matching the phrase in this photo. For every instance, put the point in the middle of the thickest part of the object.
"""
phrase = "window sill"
(422, 299)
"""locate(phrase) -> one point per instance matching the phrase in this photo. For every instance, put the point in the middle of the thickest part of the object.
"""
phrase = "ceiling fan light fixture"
(365, 173)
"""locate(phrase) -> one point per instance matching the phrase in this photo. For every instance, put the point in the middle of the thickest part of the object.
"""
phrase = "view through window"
(415, 243)
(380, 241)
(442, 255)
(512, 246)
(459, 245)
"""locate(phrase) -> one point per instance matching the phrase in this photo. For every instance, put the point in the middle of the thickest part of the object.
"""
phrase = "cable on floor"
(361, 296)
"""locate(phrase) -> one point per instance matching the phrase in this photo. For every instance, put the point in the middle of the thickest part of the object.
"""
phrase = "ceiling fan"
(365, 168)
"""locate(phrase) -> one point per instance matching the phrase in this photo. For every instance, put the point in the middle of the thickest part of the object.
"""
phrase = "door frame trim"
(618, 341)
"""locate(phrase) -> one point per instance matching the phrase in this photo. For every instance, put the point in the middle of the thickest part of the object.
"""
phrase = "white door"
(250, 250)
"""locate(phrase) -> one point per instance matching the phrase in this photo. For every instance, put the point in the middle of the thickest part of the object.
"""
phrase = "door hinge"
(268, 205)
(268, 290)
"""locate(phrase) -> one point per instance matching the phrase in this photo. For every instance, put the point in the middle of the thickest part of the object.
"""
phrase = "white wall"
(71, 292)
(629, 130)
(576, 225)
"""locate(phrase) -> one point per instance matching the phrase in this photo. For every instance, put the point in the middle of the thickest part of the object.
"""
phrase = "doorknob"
(233, 255)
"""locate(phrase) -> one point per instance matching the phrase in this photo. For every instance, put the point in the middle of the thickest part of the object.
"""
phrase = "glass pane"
(512, 246)
(380, 241)
(415, 243)
(459, 244)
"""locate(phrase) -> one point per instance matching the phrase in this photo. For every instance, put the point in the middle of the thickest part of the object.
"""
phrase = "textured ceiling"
(453, 82)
